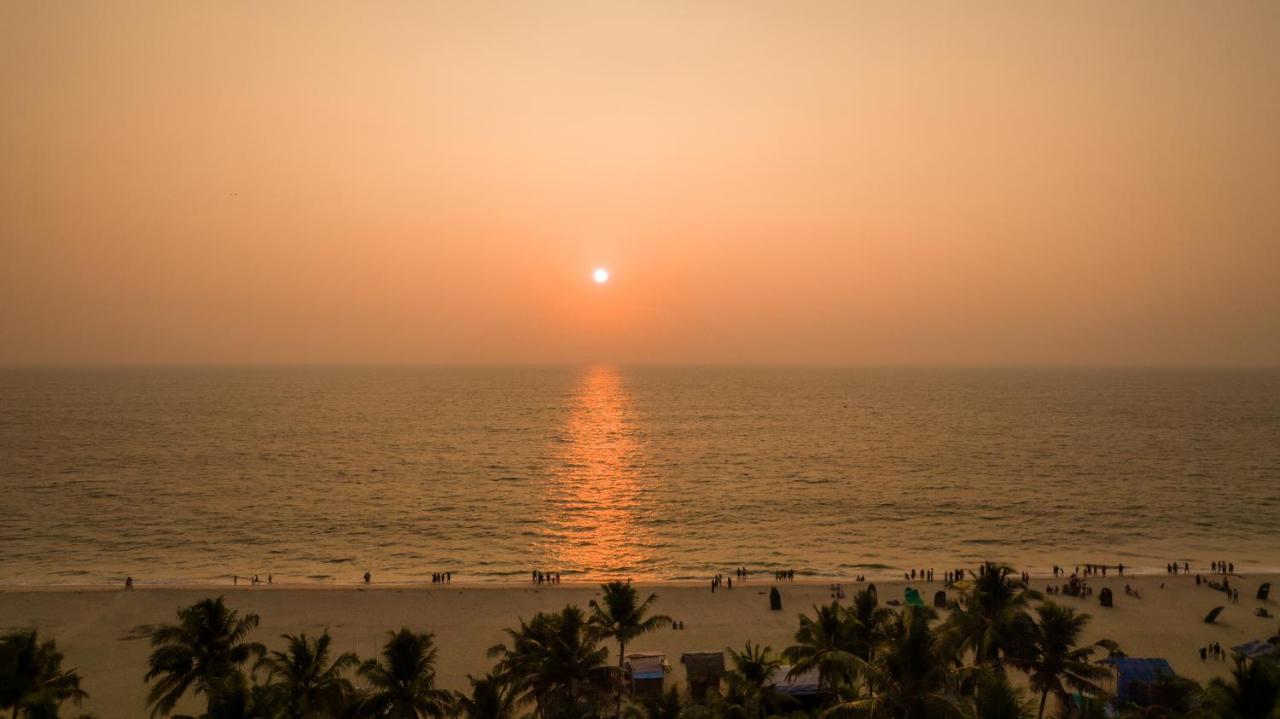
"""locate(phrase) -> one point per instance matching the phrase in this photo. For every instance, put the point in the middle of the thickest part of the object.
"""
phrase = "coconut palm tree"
(1252, 693)
(200, 653)
(828, 643)
(402, 685)
(32, 681)
(995, 697)
(991, 617)
(622, 616)
(867, 619)
(910, 677)
(750, 693)
(302, 682)
(490, 698)
(666, 705)
(1051, 655)
(555, 662)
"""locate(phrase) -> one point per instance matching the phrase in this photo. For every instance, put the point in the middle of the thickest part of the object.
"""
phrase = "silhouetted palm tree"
(868, 620)
(490, 698)
(828, 643)
(910, 676)
(666, 705)
(32, 681)
(555, 662)
(201, 653)
(995, 697)
(1051, 655)
(750, 693)
(402, 685)
(622, 616)
(1252, 693)
(991, 618)
(302, 682)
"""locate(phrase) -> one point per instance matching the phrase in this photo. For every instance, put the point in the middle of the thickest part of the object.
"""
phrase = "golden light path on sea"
(595, 482)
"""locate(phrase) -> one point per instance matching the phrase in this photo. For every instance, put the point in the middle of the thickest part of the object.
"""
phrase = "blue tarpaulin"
(1130, 669)
(1254, 649)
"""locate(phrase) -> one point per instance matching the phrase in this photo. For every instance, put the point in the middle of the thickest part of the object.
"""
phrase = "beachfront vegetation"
(33, 684)
(999, 651)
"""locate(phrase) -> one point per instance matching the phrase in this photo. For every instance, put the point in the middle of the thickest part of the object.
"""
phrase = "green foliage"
(1252, 693)
(991, 619)
(1052, 658)
(490, 698)
(202, 653)
(995, 697)
(554, 661)
(402, 683)
(828, 643)
(33, 684)
(621, 615)
(302, 682)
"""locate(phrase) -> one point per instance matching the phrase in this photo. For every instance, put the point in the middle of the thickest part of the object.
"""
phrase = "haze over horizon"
(395, 183)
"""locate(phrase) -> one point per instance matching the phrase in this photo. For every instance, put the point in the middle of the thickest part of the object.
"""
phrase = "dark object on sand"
(1104, 597)
(703, 671)
(1264, 591)
(775, 600)
(940, 599)
(1211, 617)
(872, 588)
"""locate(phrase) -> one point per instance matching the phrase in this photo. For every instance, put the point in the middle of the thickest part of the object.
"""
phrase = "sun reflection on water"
(594, 493)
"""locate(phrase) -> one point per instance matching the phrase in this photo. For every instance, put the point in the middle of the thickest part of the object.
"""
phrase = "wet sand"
(103, 631)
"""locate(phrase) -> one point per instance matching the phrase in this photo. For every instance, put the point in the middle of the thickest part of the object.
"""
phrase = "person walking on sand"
(367, 577)
(128, 583)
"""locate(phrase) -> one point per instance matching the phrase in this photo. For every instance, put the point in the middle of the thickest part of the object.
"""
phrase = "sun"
(601, 275)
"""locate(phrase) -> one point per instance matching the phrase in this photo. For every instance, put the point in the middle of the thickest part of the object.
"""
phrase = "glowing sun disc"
(601, 275)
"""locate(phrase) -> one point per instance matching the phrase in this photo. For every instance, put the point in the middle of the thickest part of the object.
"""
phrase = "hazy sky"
(843, 182)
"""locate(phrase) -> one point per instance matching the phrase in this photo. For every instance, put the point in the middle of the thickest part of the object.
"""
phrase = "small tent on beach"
(911, 596)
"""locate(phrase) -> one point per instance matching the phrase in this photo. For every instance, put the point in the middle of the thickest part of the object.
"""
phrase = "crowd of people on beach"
(1222, 567)
(1075, 586)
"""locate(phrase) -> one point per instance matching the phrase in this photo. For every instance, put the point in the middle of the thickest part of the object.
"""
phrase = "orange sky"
(950, 183)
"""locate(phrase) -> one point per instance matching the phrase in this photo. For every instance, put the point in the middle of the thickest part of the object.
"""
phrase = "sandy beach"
(103, 632)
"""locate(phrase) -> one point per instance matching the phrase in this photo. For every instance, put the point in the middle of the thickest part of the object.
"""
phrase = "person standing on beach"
(367, 577)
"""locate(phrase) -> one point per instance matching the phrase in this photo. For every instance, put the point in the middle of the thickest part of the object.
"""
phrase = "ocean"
(318, 474)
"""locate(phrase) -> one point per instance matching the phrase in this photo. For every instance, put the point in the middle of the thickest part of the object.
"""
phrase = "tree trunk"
(1044, 696)
(622, 677)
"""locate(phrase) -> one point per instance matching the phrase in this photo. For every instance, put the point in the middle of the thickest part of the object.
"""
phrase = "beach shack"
(1130, 675)
(703, 671)
(645, 672)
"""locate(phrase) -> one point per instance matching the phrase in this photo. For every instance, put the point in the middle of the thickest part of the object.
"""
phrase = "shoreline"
(103, 630)
(500, 584)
